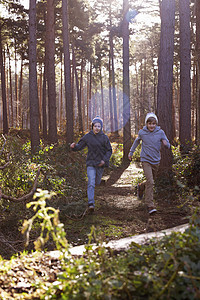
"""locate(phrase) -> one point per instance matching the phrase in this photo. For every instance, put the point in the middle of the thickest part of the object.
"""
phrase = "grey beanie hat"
(151, 115)
(97, 119)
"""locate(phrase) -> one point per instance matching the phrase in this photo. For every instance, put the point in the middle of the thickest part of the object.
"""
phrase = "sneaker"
(91, 208)
(152, 211)
(140, 192)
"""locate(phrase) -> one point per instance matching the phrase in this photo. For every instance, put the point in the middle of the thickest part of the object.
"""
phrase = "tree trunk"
(67, 74)
(126, 84)
(80, 120)
(3, 87)
(11, 91)
(88, 87)
(44, 86)
(16, 89)
(82, 100)
(141, 110)
(165, 79)
(102, 93)
(193, 101)
(20, 106)
(33, 90)
(110, 96)
(44, 104)
(52, 133)
(185, 80)
(115, 123)
(61, 94)
(198, 71)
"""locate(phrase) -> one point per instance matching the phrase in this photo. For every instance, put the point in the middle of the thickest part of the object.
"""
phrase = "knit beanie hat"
(97, 119)
(151, 115)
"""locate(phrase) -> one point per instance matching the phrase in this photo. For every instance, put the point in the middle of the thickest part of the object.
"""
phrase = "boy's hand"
(129, 157)
(165, 143)
(72, 145)
(101, 163)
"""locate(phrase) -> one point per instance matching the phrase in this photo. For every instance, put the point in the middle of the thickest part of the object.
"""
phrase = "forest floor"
(118, 212)
(118, 200)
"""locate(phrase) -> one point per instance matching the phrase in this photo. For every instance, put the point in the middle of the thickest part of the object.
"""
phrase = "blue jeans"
(94, 177)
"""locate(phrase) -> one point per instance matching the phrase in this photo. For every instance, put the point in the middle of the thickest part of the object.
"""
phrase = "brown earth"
(117, 200)
(118, 213)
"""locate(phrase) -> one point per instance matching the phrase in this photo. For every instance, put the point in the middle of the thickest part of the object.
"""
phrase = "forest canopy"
(64, 56)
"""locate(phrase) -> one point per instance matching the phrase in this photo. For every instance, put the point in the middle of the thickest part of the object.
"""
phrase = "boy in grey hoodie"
(152, 136)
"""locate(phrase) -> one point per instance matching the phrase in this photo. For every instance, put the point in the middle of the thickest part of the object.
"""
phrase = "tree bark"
(185, 80)
(52, 132)
(33, 90)
(198, 71)
(102, 92)
(165, 79)
(44, 86)
(126, 84)
(110, 95)
(115, 122)
(44, 104)
(20, 105)
(16, 88)
(67, 74)
(80, 120)
(11, 91)
(3, 87)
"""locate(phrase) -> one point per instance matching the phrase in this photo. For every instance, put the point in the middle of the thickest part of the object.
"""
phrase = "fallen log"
(25, 197)
(124, 244)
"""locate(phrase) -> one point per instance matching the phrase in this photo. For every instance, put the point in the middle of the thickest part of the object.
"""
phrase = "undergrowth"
(165, 269)
(168, 268)
(61, 173)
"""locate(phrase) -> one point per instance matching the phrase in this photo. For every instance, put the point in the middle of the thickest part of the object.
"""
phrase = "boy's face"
(151, 125)
(96, 128)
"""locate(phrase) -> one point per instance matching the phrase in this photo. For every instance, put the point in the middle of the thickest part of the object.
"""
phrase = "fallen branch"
(3, 144)
(7, 163)
(79, 217)
(25, 197)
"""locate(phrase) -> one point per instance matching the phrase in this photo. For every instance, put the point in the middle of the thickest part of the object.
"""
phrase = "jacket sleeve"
(164, 137)
(108, 153)
(135, 144)
(80, 145)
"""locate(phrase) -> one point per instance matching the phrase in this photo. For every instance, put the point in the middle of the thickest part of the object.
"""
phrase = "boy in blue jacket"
(99, 153)
(152, 136)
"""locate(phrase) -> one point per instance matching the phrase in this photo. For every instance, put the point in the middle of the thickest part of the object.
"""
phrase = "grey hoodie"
(151, 144)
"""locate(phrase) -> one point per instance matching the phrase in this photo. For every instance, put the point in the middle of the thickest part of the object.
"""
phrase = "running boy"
(151, 136)
(99, 153)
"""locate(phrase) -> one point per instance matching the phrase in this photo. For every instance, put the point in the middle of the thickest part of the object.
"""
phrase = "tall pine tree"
(165, 78)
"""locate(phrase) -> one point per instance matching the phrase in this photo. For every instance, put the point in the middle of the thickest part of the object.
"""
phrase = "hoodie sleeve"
(108, 153)
(164, 137)
(135, 144)
(80, 145)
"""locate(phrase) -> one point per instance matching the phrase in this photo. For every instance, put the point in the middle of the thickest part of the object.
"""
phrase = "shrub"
(168, 268)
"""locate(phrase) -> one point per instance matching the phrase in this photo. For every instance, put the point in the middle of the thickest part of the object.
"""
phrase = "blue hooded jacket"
(99, 148)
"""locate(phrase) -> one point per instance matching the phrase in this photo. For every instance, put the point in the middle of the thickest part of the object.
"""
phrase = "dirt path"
(117, 201)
